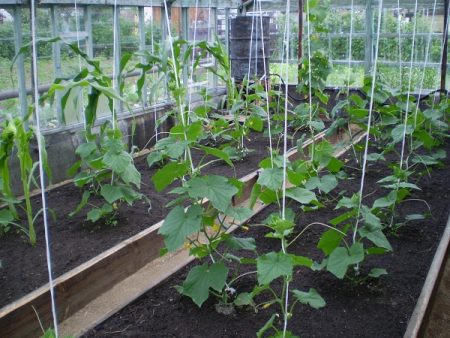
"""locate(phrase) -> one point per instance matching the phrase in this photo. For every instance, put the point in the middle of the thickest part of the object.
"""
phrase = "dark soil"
(74, 241)
(375, 308)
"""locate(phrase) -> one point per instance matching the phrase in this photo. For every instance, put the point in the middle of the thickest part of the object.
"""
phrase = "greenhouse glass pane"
(7, 52)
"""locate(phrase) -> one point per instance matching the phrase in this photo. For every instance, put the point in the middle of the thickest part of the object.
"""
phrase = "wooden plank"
(418, 320)
(82, 291)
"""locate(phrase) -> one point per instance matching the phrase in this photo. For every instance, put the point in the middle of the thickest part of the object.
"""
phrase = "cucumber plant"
(106, 169)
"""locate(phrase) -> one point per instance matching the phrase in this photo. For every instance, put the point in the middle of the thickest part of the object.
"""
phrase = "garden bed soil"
(378, 308)
(75, 241)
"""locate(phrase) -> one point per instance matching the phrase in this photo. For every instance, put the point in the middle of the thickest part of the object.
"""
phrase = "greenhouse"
(235, 168)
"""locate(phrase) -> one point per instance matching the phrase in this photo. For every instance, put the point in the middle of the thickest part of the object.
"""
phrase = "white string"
(77, 27)
(152, 40)
(369, 121)
(308, 26)
(286, 88)
(41, 168)
(399, 30)
(350, 47)
(283, 210)
(177, 80)
(442, 47)
(191, 75)
(408, 95)
(250, 52)
(266, 79)
(115, 77)
(427, 51)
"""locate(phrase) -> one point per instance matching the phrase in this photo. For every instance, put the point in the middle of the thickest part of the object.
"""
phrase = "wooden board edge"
(416, 321)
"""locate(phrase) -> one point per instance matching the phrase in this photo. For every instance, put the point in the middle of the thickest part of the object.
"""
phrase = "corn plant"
(16, 139)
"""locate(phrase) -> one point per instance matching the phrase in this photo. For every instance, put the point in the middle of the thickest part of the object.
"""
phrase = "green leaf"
(386, 201)
(84, 200)
(301, 195)
(86, 149)
(131, 175)
(215, 188)
(154, 157)
(273, 265)
(239, 214)
(237, 243)
(243, 299)
(301, 261)
(325, 183)
(271, 178)
(117, 162)
(370, 219)
(95, 214)
(255, 123)
(335, 165)
(167, 174)
(111, 193)
(174, 148)
(341, 258)
(218, 153)
(311, 298)
(179, 224)
(268, 325)
(6, 216)
(377, 272)
(329, 241)
(201, 278)
(377, 237)
(349, 203)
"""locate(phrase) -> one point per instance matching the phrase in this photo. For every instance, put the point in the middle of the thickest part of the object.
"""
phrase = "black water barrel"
(246, 42)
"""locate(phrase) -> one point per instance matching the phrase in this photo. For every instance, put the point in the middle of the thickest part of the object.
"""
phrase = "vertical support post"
(142, 47)
(227, 29)
(213, 78)
(117, 56)
(88, 28)
(164, 37)
(445, 48)
(20, 64)
(56, 52)
(186, 36)
(369, 37)
(300, 33)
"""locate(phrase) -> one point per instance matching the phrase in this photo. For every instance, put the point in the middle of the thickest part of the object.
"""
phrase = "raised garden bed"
(74, 240)
(77, 287)
(373, 308)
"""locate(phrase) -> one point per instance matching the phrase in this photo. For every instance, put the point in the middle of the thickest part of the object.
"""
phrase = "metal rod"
(300, 31)
(445, 50)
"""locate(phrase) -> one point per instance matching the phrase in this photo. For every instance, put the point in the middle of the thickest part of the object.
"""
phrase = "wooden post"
(300, 31)
(445, 49)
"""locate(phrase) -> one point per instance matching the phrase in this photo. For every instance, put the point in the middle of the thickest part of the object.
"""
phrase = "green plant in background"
(105, 169)
(16, 139)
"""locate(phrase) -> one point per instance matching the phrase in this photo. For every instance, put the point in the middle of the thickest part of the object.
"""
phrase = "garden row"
(405, 132)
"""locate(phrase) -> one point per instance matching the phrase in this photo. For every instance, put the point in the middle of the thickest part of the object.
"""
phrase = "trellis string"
(427, 51)
(191, 75)
(369, 121)
(77, 28)
(115, 56)
(399, 32)
(308, 26)
(408, 95)
(266, 79)
(283, 210)
(41, 168)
